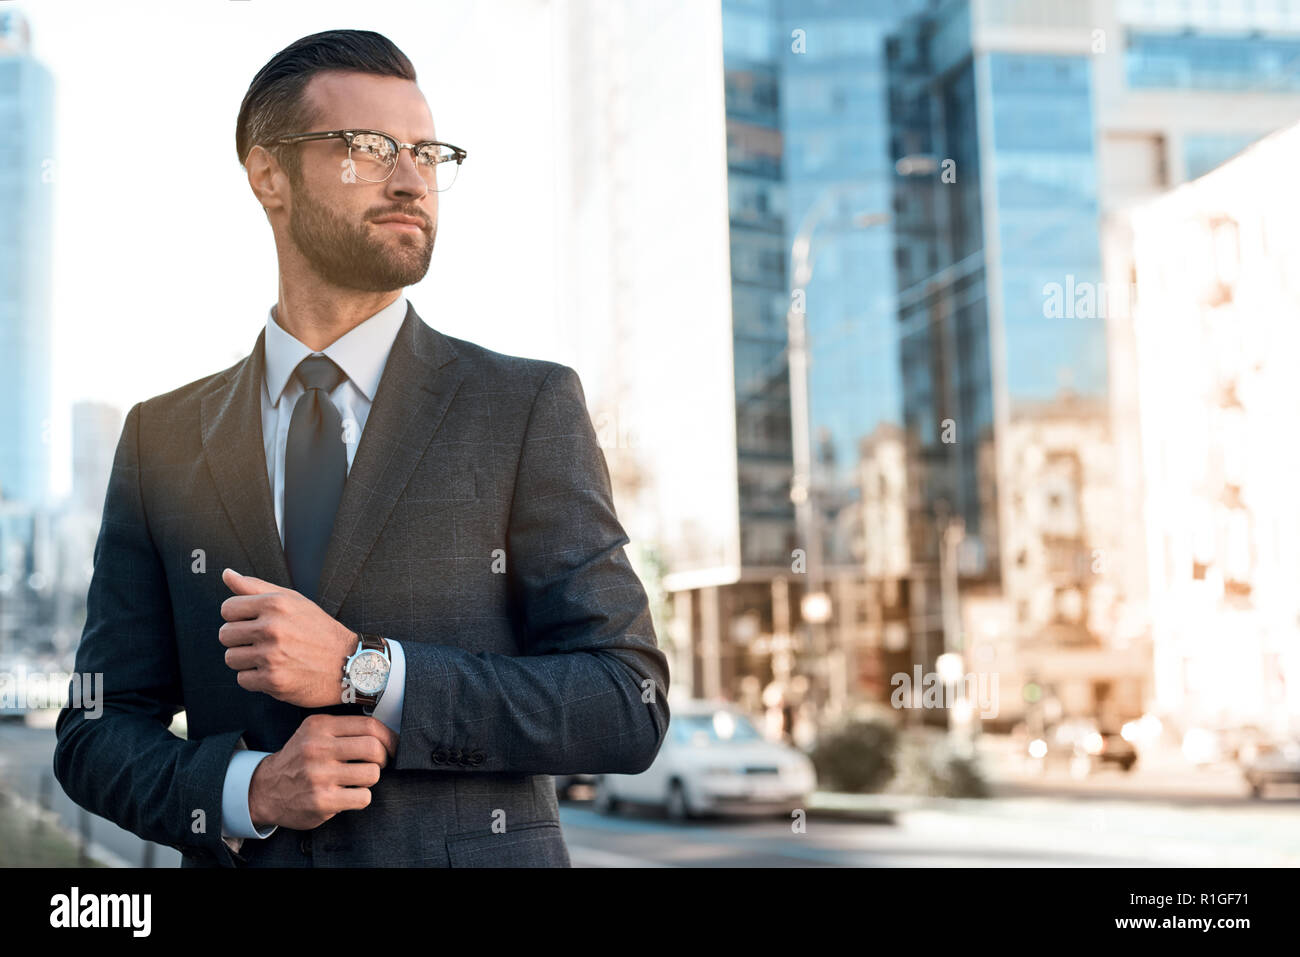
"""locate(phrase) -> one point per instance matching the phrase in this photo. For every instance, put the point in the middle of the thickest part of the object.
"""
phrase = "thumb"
(247, 584)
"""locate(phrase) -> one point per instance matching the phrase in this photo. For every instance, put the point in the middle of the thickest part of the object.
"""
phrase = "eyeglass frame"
(347, 135)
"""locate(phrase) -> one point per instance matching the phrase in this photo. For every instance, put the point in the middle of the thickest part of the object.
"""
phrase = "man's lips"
(408, 224)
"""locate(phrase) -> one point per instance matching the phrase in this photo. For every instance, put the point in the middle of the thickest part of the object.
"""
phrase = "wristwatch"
(366, 671)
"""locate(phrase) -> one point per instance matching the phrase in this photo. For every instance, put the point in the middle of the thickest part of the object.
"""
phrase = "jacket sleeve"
(116, 757)
(589, 693)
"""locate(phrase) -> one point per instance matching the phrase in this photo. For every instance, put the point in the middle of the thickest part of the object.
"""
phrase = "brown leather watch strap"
(372, 642)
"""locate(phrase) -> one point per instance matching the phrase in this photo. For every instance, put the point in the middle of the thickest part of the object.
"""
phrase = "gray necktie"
(315, 468)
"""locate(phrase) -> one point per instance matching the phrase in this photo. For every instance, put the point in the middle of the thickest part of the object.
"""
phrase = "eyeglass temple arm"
(303, 137)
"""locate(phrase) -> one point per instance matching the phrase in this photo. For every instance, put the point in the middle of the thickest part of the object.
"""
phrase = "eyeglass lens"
(373, 158)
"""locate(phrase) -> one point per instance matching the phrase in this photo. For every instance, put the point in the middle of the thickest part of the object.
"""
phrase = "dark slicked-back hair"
(273, 105)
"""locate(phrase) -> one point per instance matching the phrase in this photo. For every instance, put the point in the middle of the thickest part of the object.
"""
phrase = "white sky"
(164, 265)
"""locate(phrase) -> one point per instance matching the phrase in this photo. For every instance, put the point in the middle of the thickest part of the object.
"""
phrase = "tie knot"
(319, 372)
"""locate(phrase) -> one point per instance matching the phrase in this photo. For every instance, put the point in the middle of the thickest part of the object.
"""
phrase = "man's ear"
(266, 178)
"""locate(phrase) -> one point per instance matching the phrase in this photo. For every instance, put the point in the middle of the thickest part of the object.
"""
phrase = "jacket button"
(476, 758)
(440, 756)
(304, 845)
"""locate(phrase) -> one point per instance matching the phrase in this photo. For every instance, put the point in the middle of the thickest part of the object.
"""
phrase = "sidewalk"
(1201, 816)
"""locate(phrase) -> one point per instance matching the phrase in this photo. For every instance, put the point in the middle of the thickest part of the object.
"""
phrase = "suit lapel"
(419, 381)
(231, 423)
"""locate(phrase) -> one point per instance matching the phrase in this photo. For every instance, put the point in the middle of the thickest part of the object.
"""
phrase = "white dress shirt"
(362, 354)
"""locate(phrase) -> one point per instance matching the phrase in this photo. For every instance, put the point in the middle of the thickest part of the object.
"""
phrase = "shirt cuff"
(236, 821)
(389, 707)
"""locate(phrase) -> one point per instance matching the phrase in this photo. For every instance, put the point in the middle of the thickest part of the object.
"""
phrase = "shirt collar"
(360, 353)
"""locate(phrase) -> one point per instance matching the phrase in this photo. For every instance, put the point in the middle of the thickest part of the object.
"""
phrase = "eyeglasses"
(372, 156)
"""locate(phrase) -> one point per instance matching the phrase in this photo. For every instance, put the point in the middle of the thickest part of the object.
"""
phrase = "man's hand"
(328, 766)
(282, 643)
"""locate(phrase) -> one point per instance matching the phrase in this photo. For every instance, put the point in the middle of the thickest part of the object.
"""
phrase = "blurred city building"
(1019, 378)
(882, 525)
(880, 404)
(643, 258)
(1195, 85)
(778, 106)
(1063, 530)
(842, 336)
(1217, 263)
(96, 427)
(35, 614)
(26, 190)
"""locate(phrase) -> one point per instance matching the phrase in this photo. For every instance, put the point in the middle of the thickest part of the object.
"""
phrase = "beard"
(350, 254)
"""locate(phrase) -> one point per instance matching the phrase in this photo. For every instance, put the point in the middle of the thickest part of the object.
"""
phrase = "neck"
(317, 317)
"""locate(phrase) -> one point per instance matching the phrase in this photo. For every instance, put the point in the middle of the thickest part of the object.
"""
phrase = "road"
(1113, 820)
(1031, 831)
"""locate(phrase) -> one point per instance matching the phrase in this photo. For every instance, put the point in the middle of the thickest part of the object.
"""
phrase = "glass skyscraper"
(808, 155)
(26, 185)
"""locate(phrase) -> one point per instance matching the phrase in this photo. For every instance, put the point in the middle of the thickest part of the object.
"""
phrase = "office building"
(26, 190)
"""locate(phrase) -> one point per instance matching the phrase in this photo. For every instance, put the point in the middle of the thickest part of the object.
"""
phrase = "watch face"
(368, 672)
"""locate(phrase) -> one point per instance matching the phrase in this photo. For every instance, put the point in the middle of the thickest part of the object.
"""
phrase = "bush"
(958, 776)
(857, 757)
(930, 765)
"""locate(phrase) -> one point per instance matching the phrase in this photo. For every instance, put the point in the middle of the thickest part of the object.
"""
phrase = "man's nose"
(406, 180)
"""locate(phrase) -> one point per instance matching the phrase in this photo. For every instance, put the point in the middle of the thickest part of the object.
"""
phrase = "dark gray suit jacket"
(476, 527)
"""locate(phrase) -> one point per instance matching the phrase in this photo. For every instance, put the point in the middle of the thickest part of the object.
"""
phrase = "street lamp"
(802, 492)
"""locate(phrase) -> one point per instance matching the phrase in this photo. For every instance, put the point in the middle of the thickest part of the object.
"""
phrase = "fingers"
(350, 799)
(241, 607)
(356, 775)
(251, 597)
(252, 680)
(347, 752)
(387, 736)
(349, 725)
(243, 658)
(361, 748)
(234, 635)
(334, 799)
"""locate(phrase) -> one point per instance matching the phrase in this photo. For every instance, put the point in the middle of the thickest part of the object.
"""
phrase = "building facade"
(1216, 341)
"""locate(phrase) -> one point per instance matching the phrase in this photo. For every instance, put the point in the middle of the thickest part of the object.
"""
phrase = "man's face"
(332, 215)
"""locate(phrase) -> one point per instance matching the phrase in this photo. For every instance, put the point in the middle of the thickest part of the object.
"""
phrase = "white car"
(1269, 764)
(713, 760)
